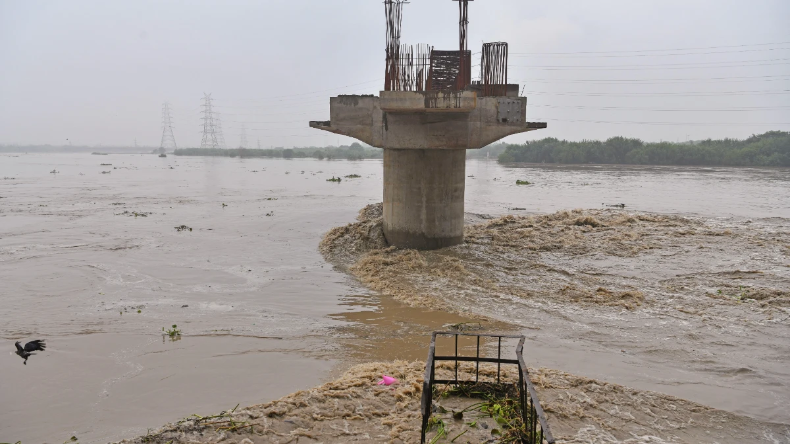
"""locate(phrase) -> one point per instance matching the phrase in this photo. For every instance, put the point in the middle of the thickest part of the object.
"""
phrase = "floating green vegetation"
(181, 228)
(742, 294)
(224, 205)
(434, 422)
(498, 401)
(334, 179)
(172, 332)
(352, 176)
(523, 182)
(222, 422)
(139, 311)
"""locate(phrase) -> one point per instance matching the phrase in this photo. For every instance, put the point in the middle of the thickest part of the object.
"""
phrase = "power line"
(629, 122)
(647, 55)
(657, 50)
(657, 65)
(311, 92)
(611, 108)
(662, 94)
(671, 80)
(643, 67)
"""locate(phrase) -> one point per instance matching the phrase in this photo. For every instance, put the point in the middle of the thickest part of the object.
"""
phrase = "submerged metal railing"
(529, 406)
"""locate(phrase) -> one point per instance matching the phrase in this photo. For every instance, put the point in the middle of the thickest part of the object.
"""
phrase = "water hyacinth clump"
(173, 331)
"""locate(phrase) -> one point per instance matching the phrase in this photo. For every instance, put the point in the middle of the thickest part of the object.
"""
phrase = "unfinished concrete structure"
(428, 115)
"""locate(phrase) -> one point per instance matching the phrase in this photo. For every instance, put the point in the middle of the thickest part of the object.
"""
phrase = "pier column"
(424, 197)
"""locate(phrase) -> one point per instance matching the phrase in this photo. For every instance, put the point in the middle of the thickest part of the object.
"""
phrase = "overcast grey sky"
(97, 72)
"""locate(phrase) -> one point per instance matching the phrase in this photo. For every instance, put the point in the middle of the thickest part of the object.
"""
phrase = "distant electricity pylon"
(168, 139)
(209, 126)
(218, 130)
(243, 136)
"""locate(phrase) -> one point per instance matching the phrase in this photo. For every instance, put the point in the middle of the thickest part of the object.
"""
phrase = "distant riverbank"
(770, 149)
(354, 151)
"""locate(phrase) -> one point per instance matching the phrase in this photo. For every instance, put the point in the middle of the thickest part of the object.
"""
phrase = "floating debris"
(105, 164)
(622, 205)
(181, 228)
(464, 326)
(106, 172)
(134, 213)
(54, 172)
(334, 179)
(271, 213)
(352, 176)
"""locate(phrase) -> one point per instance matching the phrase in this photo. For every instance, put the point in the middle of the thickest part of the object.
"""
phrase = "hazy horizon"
(98, 72)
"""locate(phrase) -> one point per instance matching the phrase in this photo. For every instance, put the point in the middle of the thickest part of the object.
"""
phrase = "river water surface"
(90, 261)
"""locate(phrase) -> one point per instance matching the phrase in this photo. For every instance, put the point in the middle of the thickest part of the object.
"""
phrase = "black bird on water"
(26, 351)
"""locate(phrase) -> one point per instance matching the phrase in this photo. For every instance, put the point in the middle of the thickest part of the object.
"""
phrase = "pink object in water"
(387, 380)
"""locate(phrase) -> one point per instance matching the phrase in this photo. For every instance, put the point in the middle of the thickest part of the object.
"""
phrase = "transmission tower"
(209, 126)
(168, 139)
(243, 136)
(218, 130)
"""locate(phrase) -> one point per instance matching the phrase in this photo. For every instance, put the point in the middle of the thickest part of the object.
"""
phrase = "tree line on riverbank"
(768, 149)
(355, 151)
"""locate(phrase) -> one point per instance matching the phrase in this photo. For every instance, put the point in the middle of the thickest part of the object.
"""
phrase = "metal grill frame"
(531, 412)
(446, 69)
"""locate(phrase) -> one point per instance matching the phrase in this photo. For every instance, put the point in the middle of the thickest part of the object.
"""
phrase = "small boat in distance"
(163, 155)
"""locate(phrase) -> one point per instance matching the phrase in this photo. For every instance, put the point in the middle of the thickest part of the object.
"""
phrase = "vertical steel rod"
(456, 358)
(498, 357)
(477, 363)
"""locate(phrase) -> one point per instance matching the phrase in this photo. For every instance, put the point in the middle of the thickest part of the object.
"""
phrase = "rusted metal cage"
(393, 10)
(529, 406)
(493, 69)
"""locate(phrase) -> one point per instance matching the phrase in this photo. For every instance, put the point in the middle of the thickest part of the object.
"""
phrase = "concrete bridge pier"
(424, 197)
(425, 135)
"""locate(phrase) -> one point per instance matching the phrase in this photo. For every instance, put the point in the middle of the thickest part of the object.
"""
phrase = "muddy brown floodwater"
(93, 264)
